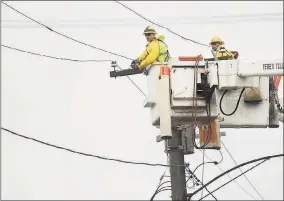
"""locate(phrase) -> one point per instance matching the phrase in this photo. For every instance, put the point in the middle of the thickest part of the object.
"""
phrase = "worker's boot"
(252, 95)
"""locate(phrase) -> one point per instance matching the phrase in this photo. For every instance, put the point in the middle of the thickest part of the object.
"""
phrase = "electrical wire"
(231, 178)
(159, 191)
(203, 168)
(192, 177)
(236, 167)
(134, 83)
(65, 36)
(241, 170)
(161, 178)
(52, 57)
(140, 15)
(235, 178)
(75, 41)
(194, 101)
(220, 104)
(75, 60)
(221, 157)
(209, 162)
(90, 155)
(203, 163)
(199, 182)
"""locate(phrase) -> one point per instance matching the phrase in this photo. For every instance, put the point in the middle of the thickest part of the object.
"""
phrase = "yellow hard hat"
(149, 29)
(216, 39)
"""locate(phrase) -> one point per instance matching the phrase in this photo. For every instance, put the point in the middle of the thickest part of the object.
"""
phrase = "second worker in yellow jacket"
(221, 52)
(156, 50)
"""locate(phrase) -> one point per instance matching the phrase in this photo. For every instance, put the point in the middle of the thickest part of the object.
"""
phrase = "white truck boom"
(192, 91)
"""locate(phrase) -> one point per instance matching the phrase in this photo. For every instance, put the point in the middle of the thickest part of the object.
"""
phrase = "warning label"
(273, 66)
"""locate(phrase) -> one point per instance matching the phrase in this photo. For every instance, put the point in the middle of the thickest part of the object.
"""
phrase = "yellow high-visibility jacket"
(223, 52)
(156, 51)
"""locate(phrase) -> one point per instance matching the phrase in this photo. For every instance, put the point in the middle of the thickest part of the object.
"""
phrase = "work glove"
(134, 63)
(133, 66)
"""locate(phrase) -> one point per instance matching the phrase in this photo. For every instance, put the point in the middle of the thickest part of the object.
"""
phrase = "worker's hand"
(134, 64)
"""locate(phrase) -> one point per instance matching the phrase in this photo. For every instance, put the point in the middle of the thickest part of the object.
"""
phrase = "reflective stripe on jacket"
(223, 52)
(156, 50)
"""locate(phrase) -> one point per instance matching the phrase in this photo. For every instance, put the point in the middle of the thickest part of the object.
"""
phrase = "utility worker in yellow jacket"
(218, 46)
(156, 50)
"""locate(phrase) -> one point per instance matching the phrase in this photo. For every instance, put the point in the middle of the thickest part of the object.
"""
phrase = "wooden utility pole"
(177, 171)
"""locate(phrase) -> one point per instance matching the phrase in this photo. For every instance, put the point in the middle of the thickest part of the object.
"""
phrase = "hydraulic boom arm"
(261, 68)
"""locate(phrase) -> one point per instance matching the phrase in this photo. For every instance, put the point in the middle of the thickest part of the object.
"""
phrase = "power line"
(75, 41)
(235, 178)
(75, 60)
(203, 163)
(231, 178)
(85, 154)
(160, 182)
(52, 57)
(134, 83)
(166, 188)
(188, 39)
(191, 174)
(242, 170)
(236, 167)
(119, 55)
(203, 169)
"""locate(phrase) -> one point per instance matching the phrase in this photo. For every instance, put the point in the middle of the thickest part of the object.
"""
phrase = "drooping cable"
(237, 105)
(203, 163)
(90, 155)
(65, 36)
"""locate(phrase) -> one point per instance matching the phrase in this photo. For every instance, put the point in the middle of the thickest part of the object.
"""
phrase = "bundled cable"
(232, 169)
(160, 188)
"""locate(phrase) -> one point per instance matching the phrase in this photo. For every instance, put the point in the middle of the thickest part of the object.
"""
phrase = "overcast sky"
(78, 106)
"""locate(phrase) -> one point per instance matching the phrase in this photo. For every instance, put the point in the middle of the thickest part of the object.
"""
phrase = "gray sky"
(78, 106)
